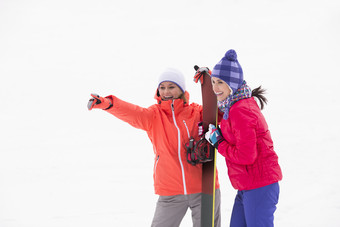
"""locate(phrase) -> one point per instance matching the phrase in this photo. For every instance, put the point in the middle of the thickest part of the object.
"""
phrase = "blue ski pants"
(256, 207)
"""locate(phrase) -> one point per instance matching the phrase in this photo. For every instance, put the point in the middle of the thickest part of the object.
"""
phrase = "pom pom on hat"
(173, 75)
(229, 70)
(231, 55)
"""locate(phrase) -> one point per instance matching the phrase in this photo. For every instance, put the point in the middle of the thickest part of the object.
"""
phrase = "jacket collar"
(178, 103)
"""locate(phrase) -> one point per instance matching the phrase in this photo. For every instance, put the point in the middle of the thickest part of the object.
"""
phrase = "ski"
(209, 103)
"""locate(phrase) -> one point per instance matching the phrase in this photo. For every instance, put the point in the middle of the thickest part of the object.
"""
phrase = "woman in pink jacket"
(246, 144)
(169, 125)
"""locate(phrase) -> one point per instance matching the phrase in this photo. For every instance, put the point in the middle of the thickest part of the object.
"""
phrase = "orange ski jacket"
(169, 125)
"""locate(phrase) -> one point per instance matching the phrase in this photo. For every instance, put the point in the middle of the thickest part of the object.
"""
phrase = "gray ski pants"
(170, 210)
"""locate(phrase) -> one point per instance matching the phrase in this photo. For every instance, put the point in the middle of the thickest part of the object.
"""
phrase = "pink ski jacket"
(169, 125)
(248, 149)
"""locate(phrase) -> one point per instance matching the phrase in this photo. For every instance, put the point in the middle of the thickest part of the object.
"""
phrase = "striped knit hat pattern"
(229, 70)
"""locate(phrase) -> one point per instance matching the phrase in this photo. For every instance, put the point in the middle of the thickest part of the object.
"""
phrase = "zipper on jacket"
(155, 169)
(179, 147)
(186, 128)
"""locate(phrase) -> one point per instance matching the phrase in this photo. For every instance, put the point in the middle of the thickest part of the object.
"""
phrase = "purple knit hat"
(229, 70)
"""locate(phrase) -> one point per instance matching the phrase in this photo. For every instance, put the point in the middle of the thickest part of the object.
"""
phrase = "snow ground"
(63, 166)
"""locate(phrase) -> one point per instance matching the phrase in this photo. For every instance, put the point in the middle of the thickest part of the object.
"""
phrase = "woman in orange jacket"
(169, 124)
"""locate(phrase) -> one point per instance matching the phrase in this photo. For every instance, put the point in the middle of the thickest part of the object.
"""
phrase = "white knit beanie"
(174, 76)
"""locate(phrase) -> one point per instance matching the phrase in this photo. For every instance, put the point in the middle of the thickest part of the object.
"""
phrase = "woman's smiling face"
(169, 90)
(221, 88)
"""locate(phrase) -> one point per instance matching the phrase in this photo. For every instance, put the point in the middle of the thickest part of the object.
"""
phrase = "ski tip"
(196, 67)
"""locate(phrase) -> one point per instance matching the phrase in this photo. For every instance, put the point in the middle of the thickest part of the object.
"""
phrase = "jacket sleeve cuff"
(223, 144)
(110, 97)
(218, 143)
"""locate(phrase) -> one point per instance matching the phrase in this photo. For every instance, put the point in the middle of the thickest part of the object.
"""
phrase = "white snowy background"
(64, 166)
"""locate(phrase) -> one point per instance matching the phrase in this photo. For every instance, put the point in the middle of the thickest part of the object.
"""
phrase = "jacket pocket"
(155, 168)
